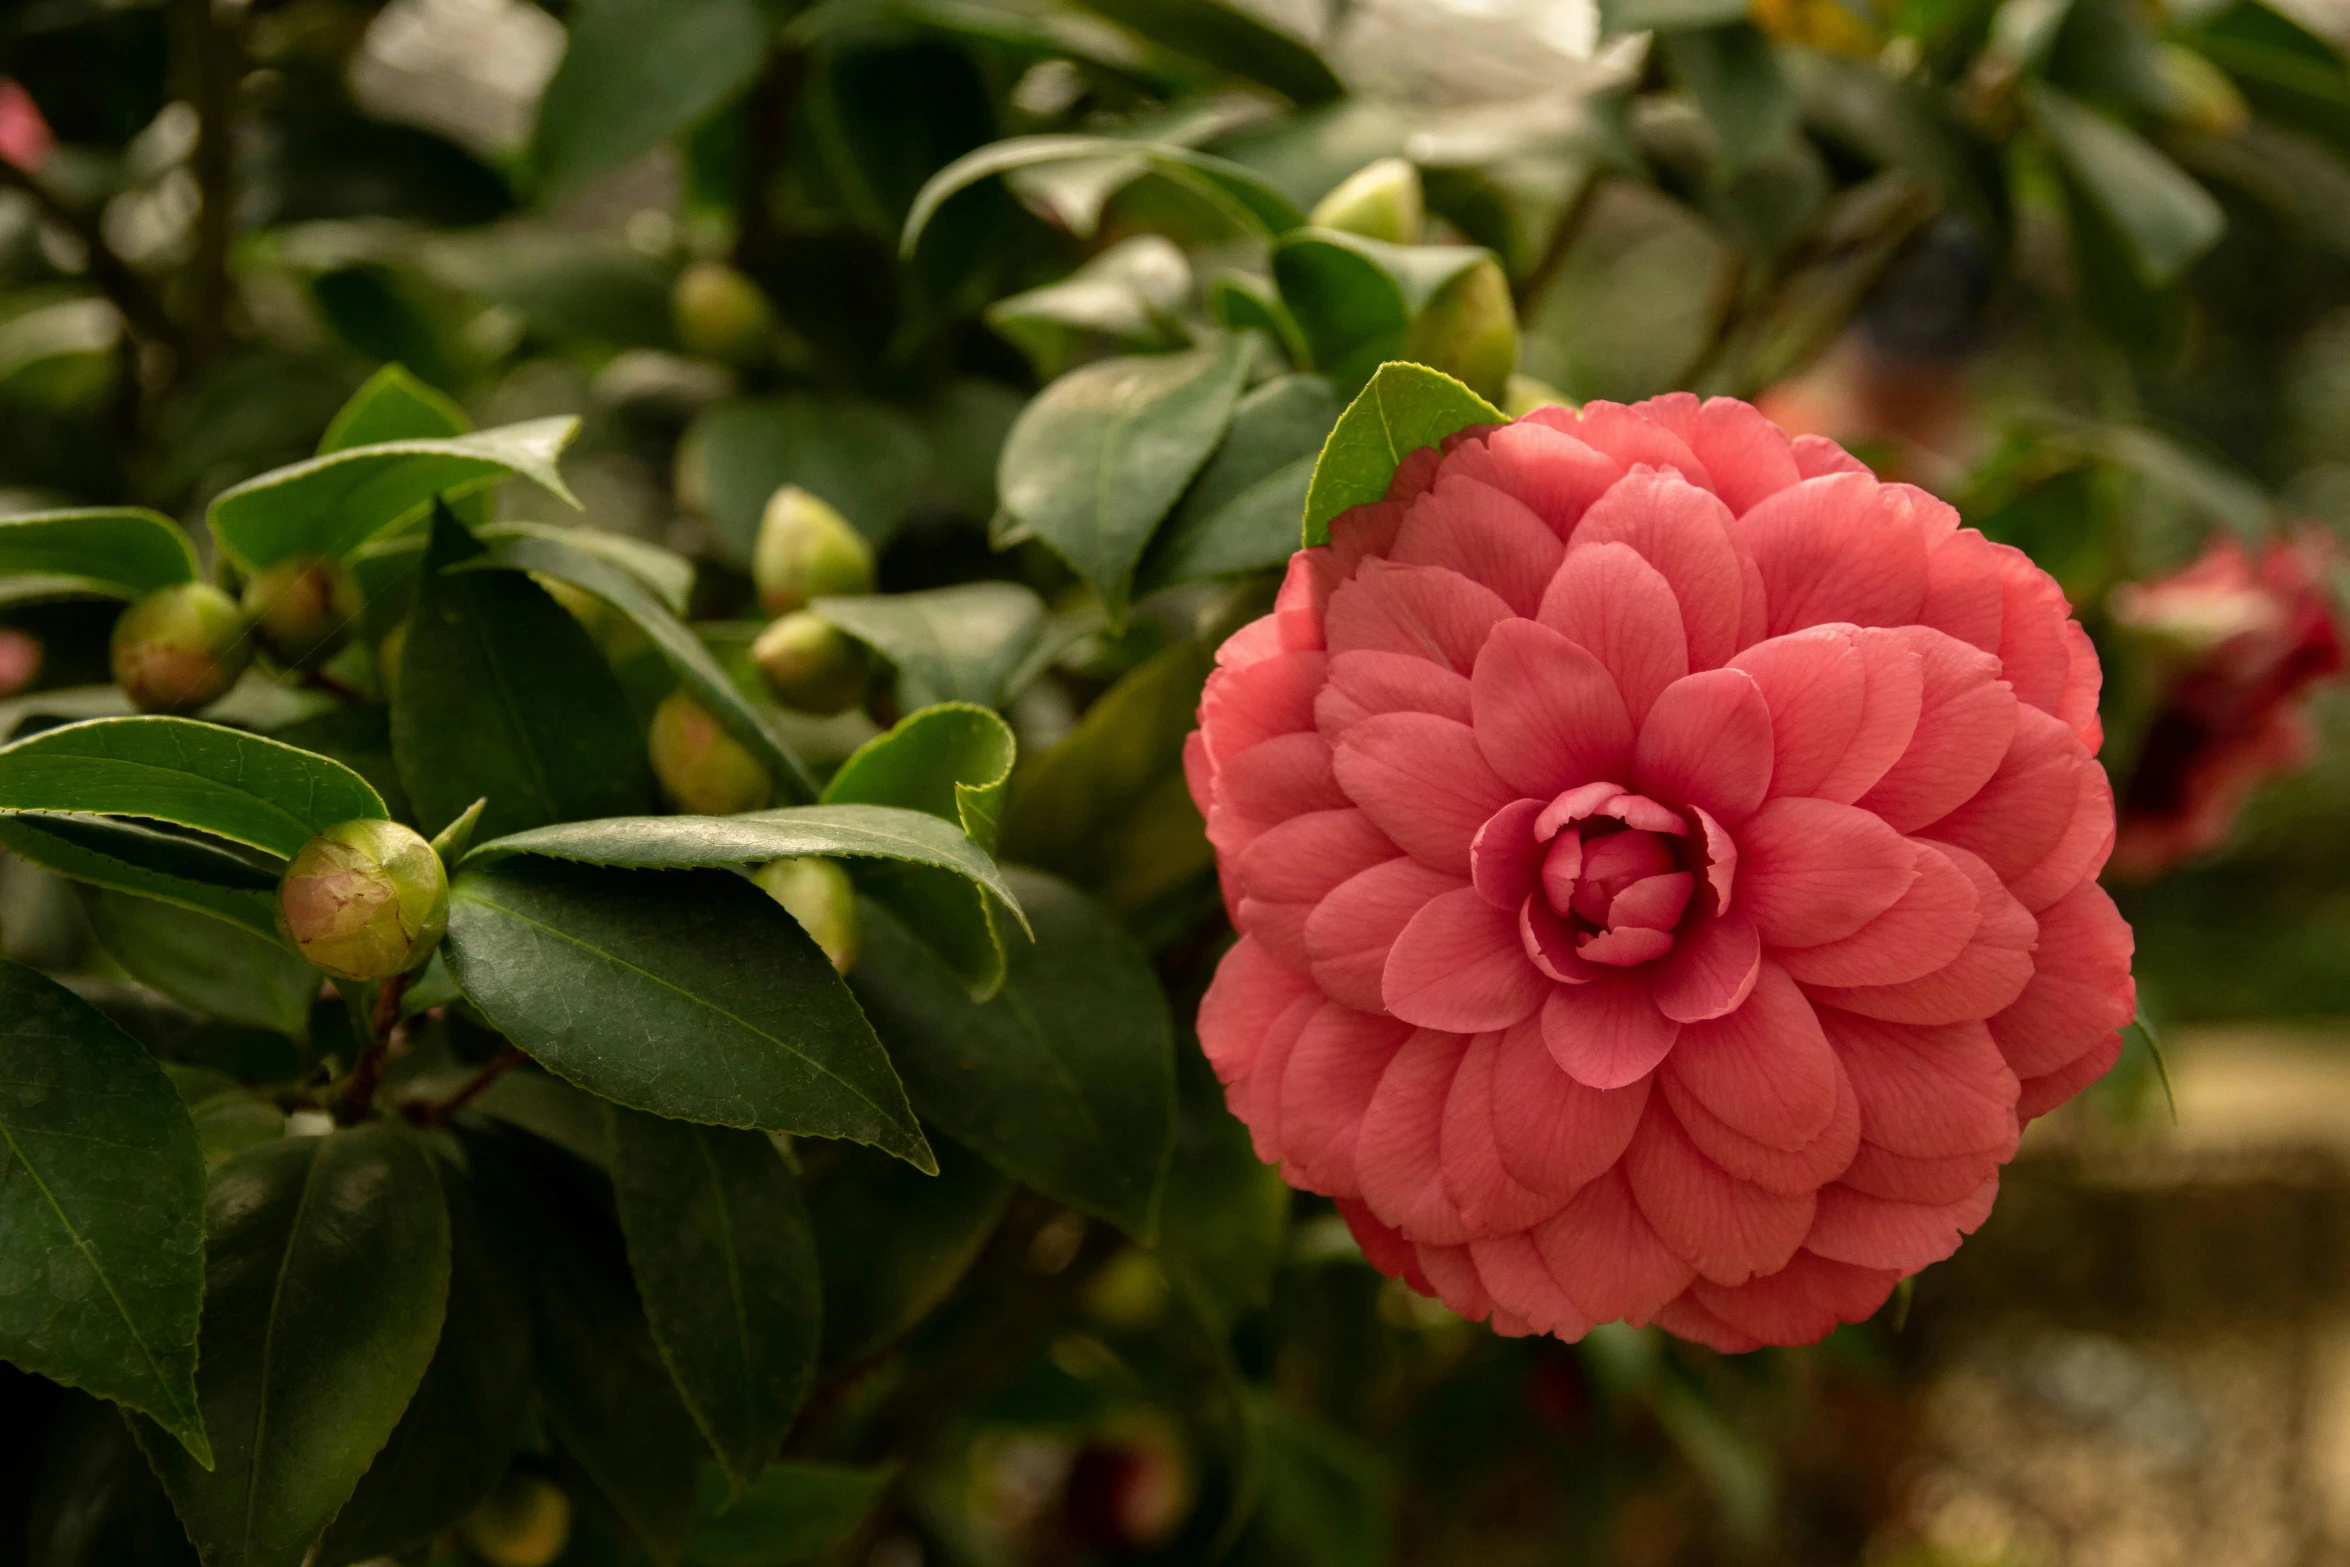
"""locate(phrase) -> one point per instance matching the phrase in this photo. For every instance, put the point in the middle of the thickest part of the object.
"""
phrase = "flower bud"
(807, 550)
(817, 893)
(1378, 201)
(303, 608)
(721, 314)
(525, 1522)
(364, 900)
(703, 770)
(179, 648)
(1128, 1493)
(811, 664)
(1469, 330)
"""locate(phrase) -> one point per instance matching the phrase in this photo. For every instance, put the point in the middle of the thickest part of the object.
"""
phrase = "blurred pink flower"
(25, 140)
(1665, 862)
(2247, 637)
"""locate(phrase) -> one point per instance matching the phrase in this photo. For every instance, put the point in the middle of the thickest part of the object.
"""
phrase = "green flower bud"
(807, 550)
(179, 648)
(525, 1522)
(1525, 394)
(817, 893)
(303, 608)
(364, 900)
(1469, 330)
(1378, 201)
(721, 314)
(701, 767)
(387, 659)
(811, 664)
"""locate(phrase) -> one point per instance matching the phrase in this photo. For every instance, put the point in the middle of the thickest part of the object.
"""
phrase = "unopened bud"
(810, 664)
(807, 550)
(1378, 201)
(364, 900)
(525, 1522)
(1469, 330)
(817, 893)
(721, 314)
(179, 648)
(703, 769)
(303, 608)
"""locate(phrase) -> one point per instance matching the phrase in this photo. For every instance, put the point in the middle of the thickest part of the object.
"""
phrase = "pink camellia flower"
(24, 135)
(2244, 639)
(1664, 859)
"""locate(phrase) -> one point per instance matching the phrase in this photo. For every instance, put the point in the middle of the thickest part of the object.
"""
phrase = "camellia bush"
(1000, 783)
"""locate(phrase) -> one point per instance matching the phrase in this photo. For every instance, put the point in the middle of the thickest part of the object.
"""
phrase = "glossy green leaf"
(894, 1242)
(1245, 303)
(1354, 299)
(690, 994)
(225, 782)
(127, 857)
(360, 737)
(392, 406)
(229, 1117)
(1241, 194)
(2164, 217)
(1326, 1499)
(794, 1512)
(1734, 73)
(725, 1263)
(1404, 408)
(637, 72)
(101, 1210)
(121, 552)
(325, 1285)
(953, 762)
(1225, 1222)
(610, 578)
(1100, 456)
(457, 1437)
(866, 458)
(503, 694)
(1241, 513)
(1132, 295)
(332, 504)
(1232, 38)
(669, 574)
(214, 967)
(1065, 1079)
(974, 642)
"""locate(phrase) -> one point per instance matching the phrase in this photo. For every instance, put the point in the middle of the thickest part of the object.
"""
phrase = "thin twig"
(367, 1072)
(436, 1112)
(213, 50)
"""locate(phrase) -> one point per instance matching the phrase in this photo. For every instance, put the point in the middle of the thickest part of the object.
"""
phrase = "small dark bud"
(179, 648)
(703, 769)
(722, 315)
(525, 1522)
(810, 664)
(364, 900)
(303, 609)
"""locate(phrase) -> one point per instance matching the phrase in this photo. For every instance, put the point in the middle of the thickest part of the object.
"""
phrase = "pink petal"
(1989, 972)
(1396, 1153)
(1363, 683)
(1258, 640)
(1963, 591)
(1653, 902)
(2018, 818)
(2078, 855)
(1554, 1135)
(1382, 1247)
(1484, 535)
(1684, 1318)
(1504, 856)
(1607, 1257)
(1269, 783)
(1813, 684)
(2035, 656)
(1424, 781)
(1296, 621)
(1606, 599)
(1454, 1273)
(1199, 774)
(2077, 704)
(1551, 944)
(1870, 1232)
(1255, 1092)
(1928, 1092)
(1522, 1283)
(1273, 696)
(1727, 1229)
(1684, 532)
(1627, 947)
(1747, 456)
(1562, 866)
(1287, 872)
(1707, 743)
(1550, 471)
(1900, 1178)
(2045, 1092)
(1965, 723)
(1800, 1304)
(1607, 1033)
(1892, 697)
(1713, 968)
(1631, 438)
(1490, 1199)
(1812, 871)
(1326, 1087)
(1250, 991)
(1350, 932)
(1426, 611)
(1790, 1172)
(1458, 966)
(1548, 716)
(1721, 860)
(1839, 548)
(1926, 928)
(1765, 1070)
(2081, 990)
(1816, 455)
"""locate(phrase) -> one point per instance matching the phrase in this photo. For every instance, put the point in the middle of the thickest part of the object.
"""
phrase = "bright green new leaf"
(392, 406)
(127, 857)
(225, 782)
(220, 969)
(636, 72)
(1065, 1079)
(1241, 513)
(690, 994)
(725, 1262)
(101, 1210)
(794, 1512)
(1100, 456)
(325, 1284)
(974, 642)
(894, 1242)
(1404, 408)
(1240, 194)
(2165, 218)
(123, 552)
(331, 505)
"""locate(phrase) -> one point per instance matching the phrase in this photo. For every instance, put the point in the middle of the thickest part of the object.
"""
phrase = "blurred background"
(2081, 267)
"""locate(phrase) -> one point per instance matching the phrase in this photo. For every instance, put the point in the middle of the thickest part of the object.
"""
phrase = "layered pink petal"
(1486, 536)
(1486, 1192)
(2020, 816)
(1397, 1152)
(1364, 683)
(1553, 473)
(1747, 457)
(1925, 929)
(1871, 1232)
(1522, 1284)
(1715, 961)
(1351, 931)
(1892, 701)
(1927, 1092)
(1989, 972)
(1326, 1087)
(1458, 966)
(1816, 455)
(1251, 990)
(1684, 532)
(1707, 743)
(1290, 869)
(1965, 724)
(1607, 1257)
(1556, 1135)
(1548, 715)
(1801, 1303)
(1606, 1033)
(2041, 1094)
(2080, 990)
(1838, 548)
(1270, 697)
(1880, 1172)
(1814, 685)
(1423, 780)
(1631, 439)
(1727, 1229)
(1609, 601)
(1812, 871)
(1765, 1070)
(1788, 1171)
(1426, 611)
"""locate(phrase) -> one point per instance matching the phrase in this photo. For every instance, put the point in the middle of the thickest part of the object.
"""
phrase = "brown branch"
(1563, 233)
(213, 50)
(367, 1072)
(129, 293)
(767, 116)
(436, 1112)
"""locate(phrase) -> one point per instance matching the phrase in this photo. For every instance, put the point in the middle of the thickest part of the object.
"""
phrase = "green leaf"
(129, 858)
(392, 406)
(1065, 1080)
(502, 693)
(327, 1277)
(1241, 513)
(458, 1435)
(973, 642)
(894, 1242)
(725, 1262)
(1404, 408)
(793, 1512)
(1240, 194)
(225, 782)
(669, 574)
(359, 737)
(1225, 1220)
(1232, 38)
(1244, 303)
(866, 458)
(123, 552)
(95, 1502)
(219, 969)
(953, 762)
(2164, 217)
(637, 72)
(101, 1207)
(1132, 295)
(1735, 76)
(1354, 299)
(1641, 16)
(1326, 1499)
(332, 504)
(565, 559)
(1101, 454)
(690, 994)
